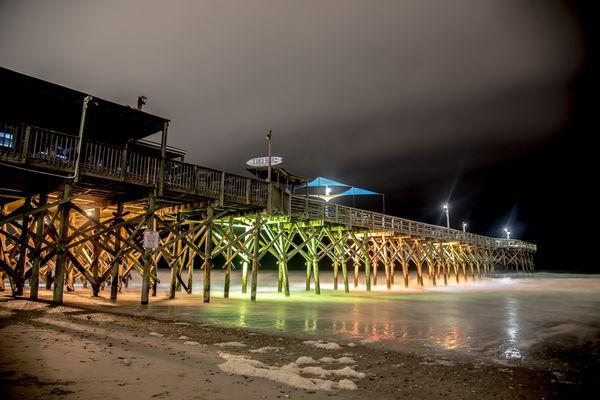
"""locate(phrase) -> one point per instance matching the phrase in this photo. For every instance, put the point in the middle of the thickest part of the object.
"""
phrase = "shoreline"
(77, 351)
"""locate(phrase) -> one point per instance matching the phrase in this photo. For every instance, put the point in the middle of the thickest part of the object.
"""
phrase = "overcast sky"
(384, 94)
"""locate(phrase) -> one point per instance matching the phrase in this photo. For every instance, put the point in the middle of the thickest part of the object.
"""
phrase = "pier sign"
(264, 161)
(151, 240)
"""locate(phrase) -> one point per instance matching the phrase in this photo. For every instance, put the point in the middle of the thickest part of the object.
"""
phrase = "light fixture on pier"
(507, 231)
(447, 211)
(464, 226)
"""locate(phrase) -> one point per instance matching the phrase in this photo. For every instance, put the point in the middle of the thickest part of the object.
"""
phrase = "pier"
(85, 198)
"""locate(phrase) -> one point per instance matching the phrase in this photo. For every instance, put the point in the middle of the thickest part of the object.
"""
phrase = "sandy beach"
(89, 350)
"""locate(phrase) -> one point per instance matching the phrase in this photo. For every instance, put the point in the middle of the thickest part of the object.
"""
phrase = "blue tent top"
(357, 192)
(321, 182)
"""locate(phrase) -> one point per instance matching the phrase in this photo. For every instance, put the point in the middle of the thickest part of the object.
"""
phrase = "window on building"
(6, 140)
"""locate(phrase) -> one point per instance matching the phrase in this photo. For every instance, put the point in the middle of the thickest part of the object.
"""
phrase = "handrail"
(45, 148)
(305, 208)
(50, 149)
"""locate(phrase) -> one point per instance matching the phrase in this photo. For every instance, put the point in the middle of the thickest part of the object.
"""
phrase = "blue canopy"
(322, 182)
(357, 192)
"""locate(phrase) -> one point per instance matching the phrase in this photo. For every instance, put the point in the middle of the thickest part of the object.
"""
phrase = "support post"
(245, 277)
(335, 274)
(190, 265)
(176, 266)
(34, 280)
(208, 261)
(228, 262)
(315, 261)
(115, 276)
(64, 211)
(255, 258)
(405, 273)
(279, 276)
(23, 241)
(345, 275)
(367, 271)
(431, 271)
(95, 257)
(148, 261)
(386, 264)
(163, 158)
(286, 279)
(308, 274)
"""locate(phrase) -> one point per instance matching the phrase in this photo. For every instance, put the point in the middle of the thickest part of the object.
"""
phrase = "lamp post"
(269, 137)
(447, 211)
(507, 231)
(464, 226)
(269, 189)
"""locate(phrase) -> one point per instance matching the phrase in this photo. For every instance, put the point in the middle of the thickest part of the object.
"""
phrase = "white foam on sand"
(156, 334)
(189, 343)
(230, 344)
(304, 360)
(288, 374)
(341, 360)
(326, 359)
(266, 349)
(320, 344)
(323, 373)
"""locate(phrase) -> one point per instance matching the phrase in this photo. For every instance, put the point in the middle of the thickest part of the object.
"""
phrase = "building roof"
(32, 101)
(322, 182)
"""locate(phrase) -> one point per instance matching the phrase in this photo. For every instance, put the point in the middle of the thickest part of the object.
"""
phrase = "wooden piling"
(64, 211)
(34, 280)
(367, 261)
(335, 274)
(115, 276)
(95, 256)
(176, 266)
(208, 261)
(147, 256)
(244, 277)
(255, 258)
(228, 262)
(419, 273)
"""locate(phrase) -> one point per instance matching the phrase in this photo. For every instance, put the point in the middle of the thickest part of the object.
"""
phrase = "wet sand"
(491, 339)
(77, 353)
(87, 349)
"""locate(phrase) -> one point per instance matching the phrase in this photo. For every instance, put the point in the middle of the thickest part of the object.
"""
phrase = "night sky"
(485, 104)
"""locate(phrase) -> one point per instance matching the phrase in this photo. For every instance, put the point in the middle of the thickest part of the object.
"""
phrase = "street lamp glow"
(447, 211)
(507, 231)
(464, 226)
(327, 190)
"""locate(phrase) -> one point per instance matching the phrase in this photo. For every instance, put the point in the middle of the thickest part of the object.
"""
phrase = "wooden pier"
(85, 198)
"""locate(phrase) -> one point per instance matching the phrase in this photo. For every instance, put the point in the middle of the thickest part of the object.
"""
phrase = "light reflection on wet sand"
(493, 318)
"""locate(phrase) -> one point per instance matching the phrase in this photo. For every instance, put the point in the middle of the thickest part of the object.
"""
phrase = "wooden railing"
(301, 207)
(47, 149)
(42, 148)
